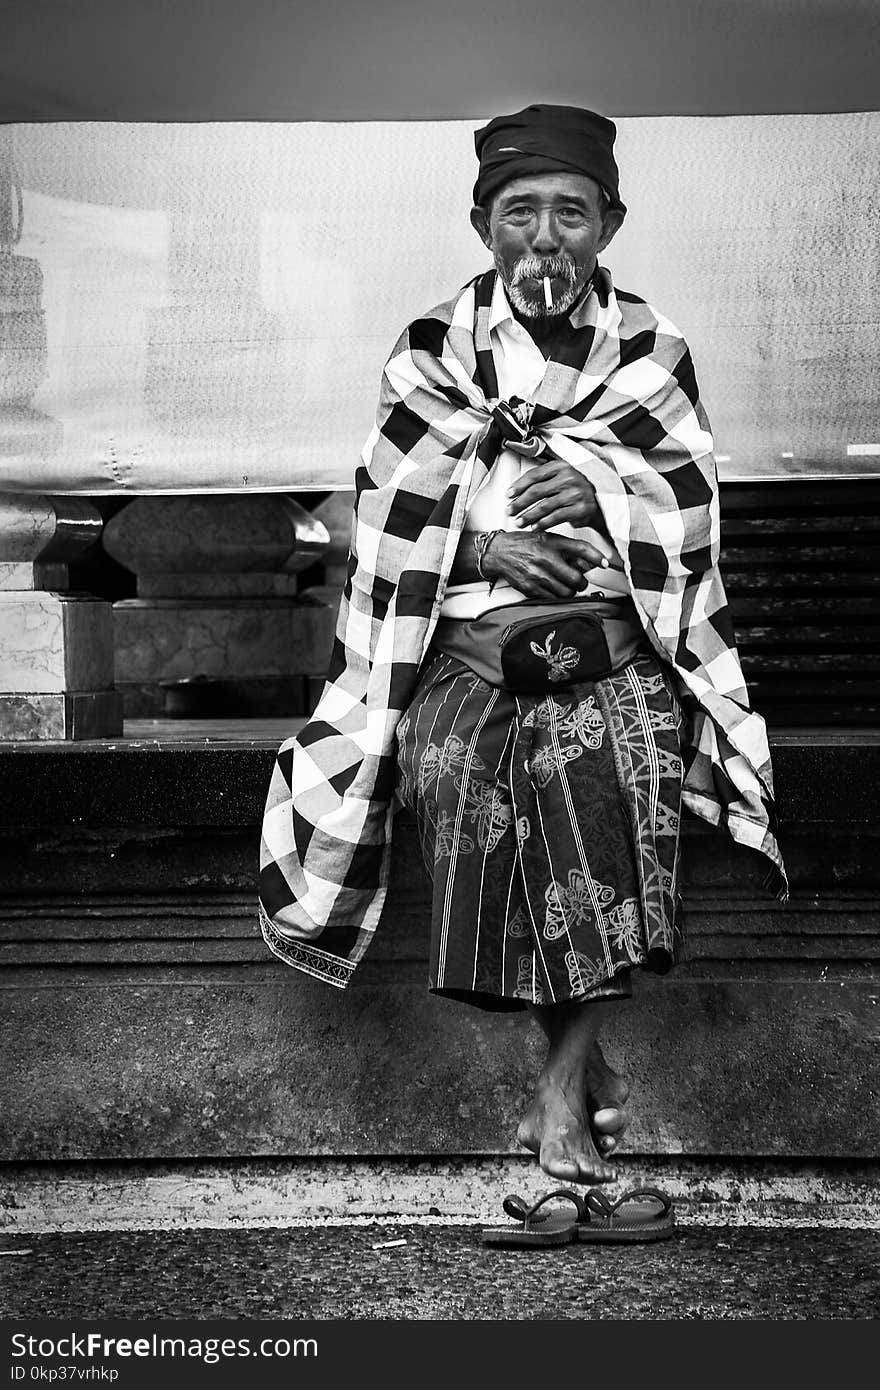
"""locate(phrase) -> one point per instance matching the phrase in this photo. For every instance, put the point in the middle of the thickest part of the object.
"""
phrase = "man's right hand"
(541, 564)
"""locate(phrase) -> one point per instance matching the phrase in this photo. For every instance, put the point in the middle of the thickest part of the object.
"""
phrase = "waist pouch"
(535, 647)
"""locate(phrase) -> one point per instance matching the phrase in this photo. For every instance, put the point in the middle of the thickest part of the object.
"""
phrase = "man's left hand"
(552, 492)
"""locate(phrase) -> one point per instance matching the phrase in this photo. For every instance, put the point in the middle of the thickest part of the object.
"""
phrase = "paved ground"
(441, 1272)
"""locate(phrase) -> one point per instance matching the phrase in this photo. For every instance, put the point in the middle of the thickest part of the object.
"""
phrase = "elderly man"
(534, 651)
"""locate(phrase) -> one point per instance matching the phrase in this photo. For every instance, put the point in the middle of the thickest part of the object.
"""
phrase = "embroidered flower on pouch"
(560, 662)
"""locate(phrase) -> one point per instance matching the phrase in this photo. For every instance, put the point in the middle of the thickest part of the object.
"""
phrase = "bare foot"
(556, 1129)
(607, 1094)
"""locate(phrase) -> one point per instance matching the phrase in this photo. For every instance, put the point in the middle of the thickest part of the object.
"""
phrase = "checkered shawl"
(621, 406)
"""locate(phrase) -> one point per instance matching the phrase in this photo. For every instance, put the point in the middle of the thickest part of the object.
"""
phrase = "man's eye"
(571, 212)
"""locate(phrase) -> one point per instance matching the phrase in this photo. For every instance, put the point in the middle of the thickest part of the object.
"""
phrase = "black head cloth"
(546, 140)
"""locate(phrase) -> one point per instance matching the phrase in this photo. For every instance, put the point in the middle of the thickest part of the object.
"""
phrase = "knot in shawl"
(620, 405)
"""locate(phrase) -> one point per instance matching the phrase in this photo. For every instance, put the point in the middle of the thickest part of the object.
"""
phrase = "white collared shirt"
(519, 366)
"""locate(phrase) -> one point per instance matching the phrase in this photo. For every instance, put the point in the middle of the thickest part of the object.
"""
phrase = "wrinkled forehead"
(552, 188)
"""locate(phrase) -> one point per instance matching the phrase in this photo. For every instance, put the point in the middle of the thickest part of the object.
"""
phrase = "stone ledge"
(115, 783)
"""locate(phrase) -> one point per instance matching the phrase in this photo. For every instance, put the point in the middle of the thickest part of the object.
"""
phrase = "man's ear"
(611, 225)
(480, 224)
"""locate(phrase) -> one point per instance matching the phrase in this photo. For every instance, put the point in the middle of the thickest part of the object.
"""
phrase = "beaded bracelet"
(482, 541)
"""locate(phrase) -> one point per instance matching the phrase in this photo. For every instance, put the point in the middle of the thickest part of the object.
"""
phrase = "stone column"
(217, 628)
(56, 647)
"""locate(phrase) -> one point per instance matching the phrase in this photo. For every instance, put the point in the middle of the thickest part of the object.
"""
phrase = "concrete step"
(467, 1190)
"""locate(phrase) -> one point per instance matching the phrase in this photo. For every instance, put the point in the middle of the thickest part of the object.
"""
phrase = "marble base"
(82, 715)
(17, 575)
(51, 643)
(177, 639)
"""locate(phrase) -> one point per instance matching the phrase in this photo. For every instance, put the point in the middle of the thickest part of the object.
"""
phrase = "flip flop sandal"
(537, 1227)
(607, 1222)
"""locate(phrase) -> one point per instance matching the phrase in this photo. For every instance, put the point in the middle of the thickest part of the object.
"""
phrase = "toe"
(610, 1119)
(594, 1169)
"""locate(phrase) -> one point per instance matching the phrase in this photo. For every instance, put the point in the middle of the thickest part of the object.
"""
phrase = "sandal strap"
(515, 1206)
(661, 1198)
(518, 1208)
(597, 1202)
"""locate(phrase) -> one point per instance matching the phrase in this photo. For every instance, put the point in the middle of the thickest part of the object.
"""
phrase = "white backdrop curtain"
(207, 307)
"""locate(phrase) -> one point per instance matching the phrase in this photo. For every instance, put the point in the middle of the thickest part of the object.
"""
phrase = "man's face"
(546, 224)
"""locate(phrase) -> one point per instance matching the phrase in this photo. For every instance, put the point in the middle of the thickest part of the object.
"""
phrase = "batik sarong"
(549, 825)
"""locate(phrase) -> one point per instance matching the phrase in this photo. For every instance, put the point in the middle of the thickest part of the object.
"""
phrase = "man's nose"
(546, 237)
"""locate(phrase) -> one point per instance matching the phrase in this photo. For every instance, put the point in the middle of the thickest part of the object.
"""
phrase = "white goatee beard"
(534, 268)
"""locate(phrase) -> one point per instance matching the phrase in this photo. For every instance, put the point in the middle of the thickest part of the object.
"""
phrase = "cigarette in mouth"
(548, 293)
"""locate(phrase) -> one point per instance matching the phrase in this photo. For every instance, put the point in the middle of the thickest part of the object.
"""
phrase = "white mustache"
(535, 268)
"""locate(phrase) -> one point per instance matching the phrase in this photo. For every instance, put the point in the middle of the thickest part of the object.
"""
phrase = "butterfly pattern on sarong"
(446, 759)
(545, 763)
(446, 839)
(625, 923)
(584, 722)
(528, 986)
(584, 973)
(541, 716)
(580, 900)
(489, 808)
(520, 923)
